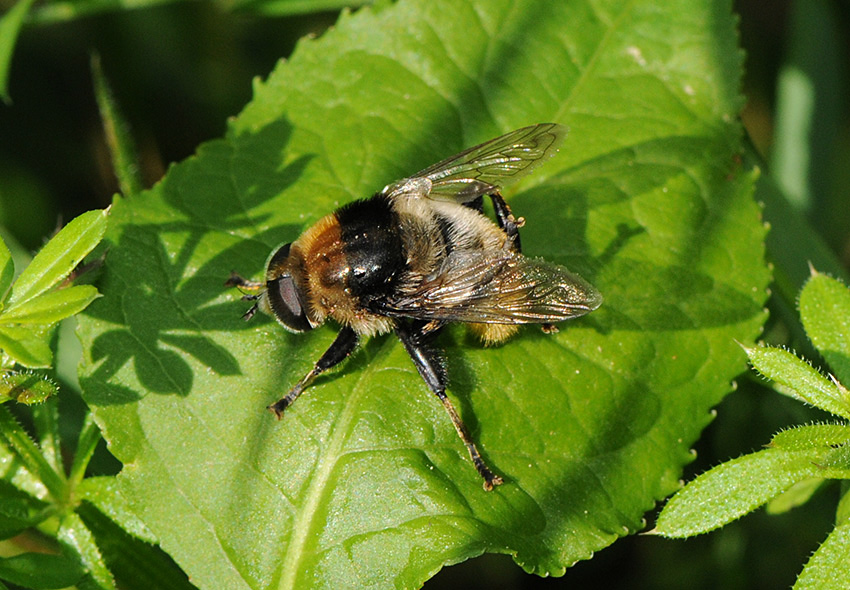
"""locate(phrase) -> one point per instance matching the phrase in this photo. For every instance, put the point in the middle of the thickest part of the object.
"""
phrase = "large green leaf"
(364, 483)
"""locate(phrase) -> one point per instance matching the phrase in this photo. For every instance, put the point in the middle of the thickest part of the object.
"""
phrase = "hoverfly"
(420, 254)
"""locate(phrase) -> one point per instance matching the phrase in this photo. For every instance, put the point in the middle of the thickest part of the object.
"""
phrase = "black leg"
(477, 204)
(429, 362)
(504, 217)
(344, 345)
(511, 225)
(507, 221)
(237, 280)
(244, 284)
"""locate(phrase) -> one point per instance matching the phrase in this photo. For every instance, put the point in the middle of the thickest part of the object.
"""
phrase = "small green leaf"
(842, 513)
(45, 419)
(104, 494)
(7, 269)
(18, 510)
(63, 11)
(28, 453)
(25, 387)
(122, 149)
(797, 495)
(801, 438)
(50, 307)
(39, 571)
(10, 26)
(279, 8)
(837, 462)
(60, 256)
(76, 538)
(799, 379)
(86, 443)
(29, 346)
(732, 489)
(825, 311)
(827, 567)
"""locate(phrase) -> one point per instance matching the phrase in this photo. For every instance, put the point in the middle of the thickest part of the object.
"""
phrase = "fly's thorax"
(373, 247)
(425, 244)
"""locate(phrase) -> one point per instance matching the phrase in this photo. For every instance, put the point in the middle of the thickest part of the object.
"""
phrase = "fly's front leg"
(237, 280)
(253, 288)
(344, 345)
(429, 363)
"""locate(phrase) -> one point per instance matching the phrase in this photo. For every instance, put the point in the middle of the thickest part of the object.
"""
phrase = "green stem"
(122, 150)
(46, 420)
(86, 444)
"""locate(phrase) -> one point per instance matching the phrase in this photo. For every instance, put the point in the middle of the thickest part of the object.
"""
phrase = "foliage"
(364, 481)
(10, 26)
(30, 307)
(38, 490)
(797, 460)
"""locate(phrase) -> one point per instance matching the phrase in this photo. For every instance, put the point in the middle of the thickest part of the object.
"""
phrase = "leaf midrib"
(303, 521)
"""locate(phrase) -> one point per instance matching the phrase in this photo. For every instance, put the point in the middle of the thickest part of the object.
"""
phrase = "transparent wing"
(485, 168)
(497, 288)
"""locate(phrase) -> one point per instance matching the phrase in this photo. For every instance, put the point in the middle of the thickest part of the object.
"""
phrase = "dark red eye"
(286, 304)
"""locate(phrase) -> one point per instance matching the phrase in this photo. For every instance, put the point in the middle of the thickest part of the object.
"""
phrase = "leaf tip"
(812, 270)
(747, 349)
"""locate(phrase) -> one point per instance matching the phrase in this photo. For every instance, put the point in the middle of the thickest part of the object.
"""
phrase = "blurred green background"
(179, 70)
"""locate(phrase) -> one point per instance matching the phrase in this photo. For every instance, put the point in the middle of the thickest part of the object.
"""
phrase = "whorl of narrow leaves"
(55, 261)
(797, 457)
(32, 306)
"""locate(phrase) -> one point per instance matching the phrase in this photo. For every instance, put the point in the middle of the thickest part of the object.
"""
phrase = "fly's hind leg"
(511, 225)
(344, 345)
(507, 221)
(416, 338)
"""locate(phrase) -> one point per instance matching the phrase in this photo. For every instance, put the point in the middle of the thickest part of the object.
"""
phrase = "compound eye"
(278, 260)
(286, 304)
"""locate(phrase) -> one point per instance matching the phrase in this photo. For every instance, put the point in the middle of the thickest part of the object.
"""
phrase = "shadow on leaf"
(162, 276)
